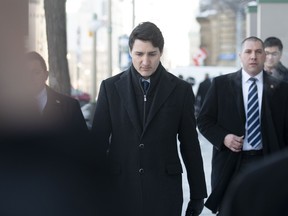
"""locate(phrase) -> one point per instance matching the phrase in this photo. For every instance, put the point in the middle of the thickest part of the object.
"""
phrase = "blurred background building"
(225, 23)
(199, 33)
(37, 28)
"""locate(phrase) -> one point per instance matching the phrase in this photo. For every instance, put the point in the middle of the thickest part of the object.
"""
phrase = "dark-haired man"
(139, 115)
(58, 113)
(274, 48)
(245, 117)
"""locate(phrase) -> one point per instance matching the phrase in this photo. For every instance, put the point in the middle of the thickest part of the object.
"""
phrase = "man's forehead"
(252, 46)
(276, 48)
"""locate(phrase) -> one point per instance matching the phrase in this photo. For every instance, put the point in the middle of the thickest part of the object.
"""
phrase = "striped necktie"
(253, 119)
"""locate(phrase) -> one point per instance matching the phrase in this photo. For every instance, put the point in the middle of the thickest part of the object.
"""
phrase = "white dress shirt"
(41, 99)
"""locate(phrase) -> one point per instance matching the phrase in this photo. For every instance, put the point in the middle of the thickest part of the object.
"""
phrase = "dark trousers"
(248, 159)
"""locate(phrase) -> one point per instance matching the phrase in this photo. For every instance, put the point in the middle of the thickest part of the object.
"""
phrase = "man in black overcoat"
(54, 112)
(136, 130)
(223, 119)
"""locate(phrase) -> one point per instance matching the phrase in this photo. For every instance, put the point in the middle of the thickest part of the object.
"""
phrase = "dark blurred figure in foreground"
(201, 93)
(40, 173)
(46, 174)
(47, 163)
(262, 190)
(274, 48)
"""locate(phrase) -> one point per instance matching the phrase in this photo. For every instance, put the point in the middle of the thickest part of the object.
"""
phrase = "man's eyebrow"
(152, 52)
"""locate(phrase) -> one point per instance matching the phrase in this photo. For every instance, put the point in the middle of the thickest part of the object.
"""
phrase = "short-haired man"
(244, 116)
(273, 49)
(139, 115)
(58, 112)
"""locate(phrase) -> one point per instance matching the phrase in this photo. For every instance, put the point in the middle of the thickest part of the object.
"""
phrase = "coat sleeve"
(190, 148)
(101, 126)
(207, 120)
(79, 122)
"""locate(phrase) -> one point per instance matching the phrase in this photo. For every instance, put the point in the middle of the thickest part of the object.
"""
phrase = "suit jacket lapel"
(123, 86)
(53, 103)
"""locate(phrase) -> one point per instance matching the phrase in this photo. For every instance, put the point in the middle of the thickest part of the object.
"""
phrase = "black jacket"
(223, 113)
(144, 169)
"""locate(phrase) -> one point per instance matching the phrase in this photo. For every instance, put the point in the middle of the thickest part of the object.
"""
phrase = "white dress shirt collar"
(41, 99)
(246, 76)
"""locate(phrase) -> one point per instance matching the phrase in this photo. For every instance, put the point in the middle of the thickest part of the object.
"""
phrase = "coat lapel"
(125, 89)
(269, 135)
(269, 86)
(164, 89)
(53, 104)
(236, 89)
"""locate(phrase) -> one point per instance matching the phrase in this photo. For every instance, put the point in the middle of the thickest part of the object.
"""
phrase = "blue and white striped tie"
(253, 119)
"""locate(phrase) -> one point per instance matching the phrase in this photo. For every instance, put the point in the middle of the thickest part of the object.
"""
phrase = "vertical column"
(251, 20)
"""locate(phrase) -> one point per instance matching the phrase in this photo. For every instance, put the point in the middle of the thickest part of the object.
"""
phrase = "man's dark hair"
(147, 31)
(273, 41)
(34, 56)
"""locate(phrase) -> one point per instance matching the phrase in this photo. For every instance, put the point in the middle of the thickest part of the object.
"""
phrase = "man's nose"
(253, 55)
(145, 60)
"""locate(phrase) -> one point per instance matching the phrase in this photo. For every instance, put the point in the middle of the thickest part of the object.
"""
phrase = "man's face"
(145, 57)
(273, 56)
(252, 57)
(37, 75)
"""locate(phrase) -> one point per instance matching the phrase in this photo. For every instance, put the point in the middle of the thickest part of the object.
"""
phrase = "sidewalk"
(206, 149)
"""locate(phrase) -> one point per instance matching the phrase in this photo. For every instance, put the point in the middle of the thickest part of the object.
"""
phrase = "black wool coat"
(61, 115)
(223, 113)
(143, 168)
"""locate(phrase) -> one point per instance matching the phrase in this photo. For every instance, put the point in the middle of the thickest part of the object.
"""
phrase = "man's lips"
(145, 68)
(253, 64)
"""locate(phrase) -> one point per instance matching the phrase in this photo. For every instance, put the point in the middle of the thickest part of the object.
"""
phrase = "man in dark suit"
(57, 112)
(225, 119)
(136, 128)
(274, 48)
(46, 168)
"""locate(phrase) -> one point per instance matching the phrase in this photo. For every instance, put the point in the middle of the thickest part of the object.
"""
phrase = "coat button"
(141, 146)
(141, 171)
